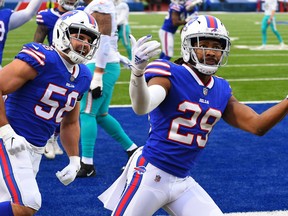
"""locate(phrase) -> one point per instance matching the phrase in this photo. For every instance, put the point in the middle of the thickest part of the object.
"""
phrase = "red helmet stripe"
(211, 22)
(91, 19)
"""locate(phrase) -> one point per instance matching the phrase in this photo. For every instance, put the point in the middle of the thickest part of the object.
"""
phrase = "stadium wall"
(222, 5)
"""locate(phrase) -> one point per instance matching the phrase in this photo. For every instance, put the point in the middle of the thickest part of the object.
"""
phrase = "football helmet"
(69, 4)
(72, 22)
(2, 2)
(179, 2)
(197, 29)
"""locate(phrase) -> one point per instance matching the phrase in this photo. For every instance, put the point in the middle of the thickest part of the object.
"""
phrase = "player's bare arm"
(104, 22)
(70, 131)
(242, 116)
(40, 33)
(14, 75)
(176, 19)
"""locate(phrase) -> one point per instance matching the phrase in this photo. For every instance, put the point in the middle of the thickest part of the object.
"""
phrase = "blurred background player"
(44, 85)
(270, 7)
(13, 19)
(179, 13)
(105, 68)
(122, 18)
(46, 20)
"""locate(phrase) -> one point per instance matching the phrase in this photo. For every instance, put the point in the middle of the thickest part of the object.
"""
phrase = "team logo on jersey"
(157, 178)
(205, 91)
(140, 170)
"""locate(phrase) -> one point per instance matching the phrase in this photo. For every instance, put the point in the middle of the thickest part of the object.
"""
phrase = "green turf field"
(255, 75)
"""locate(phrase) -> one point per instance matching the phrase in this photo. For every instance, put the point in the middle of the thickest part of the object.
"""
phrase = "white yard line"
(270, 213)
(233, 80)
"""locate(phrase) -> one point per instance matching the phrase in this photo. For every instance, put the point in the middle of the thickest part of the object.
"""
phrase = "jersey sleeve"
(33, 54)
(41, 17)
(157, 68)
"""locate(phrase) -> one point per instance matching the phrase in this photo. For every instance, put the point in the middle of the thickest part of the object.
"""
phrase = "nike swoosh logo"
(89, 174)
(35, 47)
(12, 139)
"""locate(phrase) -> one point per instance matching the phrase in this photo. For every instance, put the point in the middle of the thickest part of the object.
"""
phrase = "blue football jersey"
(168, 25)
(48, 17)
(5, 15)
(181, 124)
(37, 108)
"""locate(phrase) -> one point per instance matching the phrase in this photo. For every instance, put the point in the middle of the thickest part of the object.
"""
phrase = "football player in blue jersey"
(184, 101)
(46, 20)
(43, 84)
(10, 20)
(94, 108)
(179, 12)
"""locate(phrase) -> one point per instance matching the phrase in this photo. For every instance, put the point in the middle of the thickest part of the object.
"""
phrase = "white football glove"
(142, 51)
(96, 85)
(13, 142)
(124, 61)
(68, 174)
(190, 17)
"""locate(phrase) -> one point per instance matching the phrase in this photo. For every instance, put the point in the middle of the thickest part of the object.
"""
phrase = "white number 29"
(54, 104)
(187, 139)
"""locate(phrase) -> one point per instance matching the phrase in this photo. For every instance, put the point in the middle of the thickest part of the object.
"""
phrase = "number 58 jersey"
(37, 108)
(181, 124)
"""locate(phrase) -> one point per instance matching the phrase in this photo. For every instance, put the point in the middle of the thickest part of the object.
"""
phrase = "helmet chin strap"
(205, 69)
(77, 59)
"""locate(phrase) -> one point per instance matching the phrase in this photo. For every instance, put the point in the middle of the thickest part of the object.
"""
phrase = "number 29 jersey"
(181, 124)
(38, 107)
(5, 15)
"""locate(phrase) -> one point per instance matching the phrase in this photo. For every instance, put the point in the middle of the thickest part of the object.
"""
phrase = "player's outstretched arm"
(18, 18)
(144, 98)
(242, 116)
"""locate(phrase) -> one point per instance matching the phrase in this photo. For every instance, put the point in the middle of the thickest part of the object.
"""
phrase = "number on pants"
(54, 104)
(205, 125)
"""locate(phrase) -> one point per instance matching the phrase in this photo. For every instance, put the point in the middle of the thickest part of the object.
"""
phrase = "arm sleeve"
(18, 18)
(144, 99)
(102, 52)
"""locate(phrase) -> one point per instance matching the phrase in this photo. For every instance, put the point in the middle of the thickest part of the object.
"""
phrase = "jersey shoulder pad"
(175, 7)
(34, 53)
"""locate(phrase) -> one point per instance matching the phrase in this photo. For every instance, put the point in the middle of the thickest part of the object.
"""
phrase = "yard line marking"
(257, 65)
(244, 102)
(270, 213)
(233, 80)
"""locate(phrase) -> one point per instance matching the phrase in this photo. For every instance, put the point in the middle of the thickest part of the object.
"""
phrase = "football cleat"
(86, 170)
(129, 153)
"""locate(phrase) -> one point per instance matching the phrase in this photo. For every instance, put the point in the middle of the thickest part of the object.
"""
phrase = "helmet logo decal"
(68, 14)
(211, 22)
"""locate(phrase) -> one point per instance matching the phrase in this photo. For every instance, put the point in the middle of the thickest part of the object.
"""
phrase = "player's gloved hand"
(13, 142)
(190, 17)
(124, 61)
(142, 51)
(68, 174)
(96, 85)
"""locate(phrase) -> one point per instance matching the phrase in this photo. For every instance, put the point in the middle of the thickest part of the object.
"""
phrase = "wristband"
(138, 75)
(6, 131)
